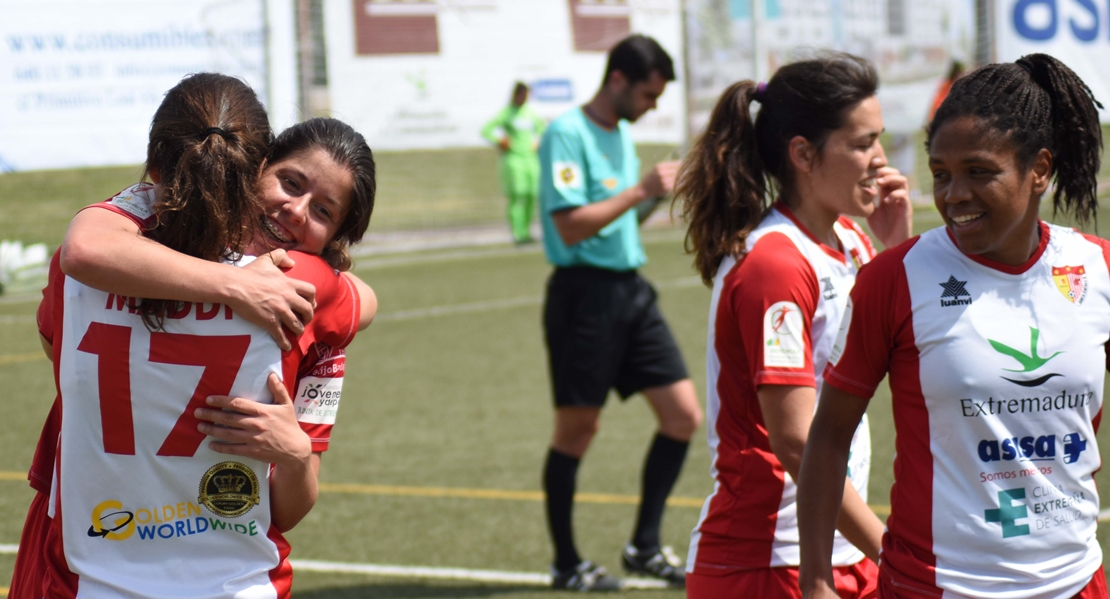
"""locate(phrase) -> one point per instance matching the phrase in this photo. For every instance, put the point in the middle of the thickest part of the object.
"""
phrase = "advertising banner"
(419, 74)
(911, 42)
(80, 81)
(1075, 31)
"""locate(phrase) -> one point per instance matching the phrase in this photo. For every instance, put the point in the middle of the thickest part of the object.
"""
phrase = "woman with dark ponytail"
(767, 201)
(993, 332)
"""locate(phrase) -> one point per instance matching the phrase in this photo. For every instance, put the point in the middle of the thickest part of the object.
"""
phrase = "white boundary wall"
(442, 98)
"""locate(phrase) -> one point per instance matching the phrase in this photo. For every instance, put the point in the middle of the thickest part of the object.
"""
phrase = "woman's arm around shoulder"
(108, 251)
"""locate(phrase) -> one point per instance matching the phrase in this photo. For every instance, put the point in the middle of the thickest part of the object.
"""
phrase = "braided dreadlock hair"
(1037, 103)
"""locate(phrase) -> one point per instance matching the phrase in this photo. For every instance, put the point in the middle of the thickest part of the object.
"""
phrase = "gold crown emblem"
(229, 483)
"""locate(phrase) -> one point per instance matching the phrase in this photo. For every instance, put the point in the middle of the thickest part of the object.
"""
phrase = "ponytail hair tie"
(1026, 64)
(217, 131)
(760, 92)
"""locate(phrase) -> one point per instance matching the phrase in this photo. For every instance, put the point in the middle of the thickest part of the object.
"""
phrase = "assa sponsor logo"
(1034, 449)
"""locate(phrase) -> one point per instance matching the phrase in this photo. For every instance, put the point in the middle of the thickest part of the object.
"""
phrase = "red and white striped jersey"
(997, 375)
(772, 321)
(141, 506)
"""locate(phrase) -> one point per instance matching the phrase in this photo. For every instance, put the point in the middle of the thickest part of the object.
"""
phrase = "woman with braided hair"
(993, 331)
(781, 267)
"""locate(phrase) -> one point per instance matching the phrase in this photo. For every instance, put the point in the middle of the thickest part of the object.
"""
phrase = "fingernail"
(198, 412)
(211, 400)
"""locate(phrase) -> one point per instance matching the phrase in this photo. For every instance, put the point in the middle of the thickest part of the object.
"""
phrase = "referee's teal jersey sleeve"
(581, 163)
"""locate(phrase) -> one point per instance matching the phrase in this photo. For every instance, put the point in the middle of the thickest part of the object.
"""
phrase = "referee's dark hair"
(1037, 103)
(636, 56)
(739, 165)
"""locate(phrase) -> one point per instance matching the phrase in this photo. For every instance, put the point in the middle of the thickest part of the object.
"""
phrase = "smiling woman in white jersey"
(781, 271)
(993, 330)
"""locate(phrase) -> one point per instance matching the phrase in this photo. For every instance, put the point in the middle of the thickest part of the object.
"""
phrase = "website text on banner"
(79, 82)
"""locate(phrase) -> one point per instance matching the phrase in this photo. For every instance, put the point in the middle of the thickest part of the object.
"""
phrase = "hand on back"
(265, 432)
(266, 297)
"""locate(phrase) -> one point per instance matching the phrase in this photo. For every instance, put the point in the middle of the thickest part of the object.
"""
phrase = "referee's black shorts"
(604, 331)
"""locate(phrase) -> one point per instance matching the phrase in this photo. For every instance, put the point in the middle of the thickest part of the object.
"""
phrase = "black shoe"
(585, 577)
(661, 563)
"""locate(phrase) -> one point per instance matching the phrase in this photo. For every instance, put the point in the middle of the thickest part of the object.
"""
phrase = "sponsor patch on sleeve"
(568, 175)
(841, 335)
(135, 202)
(317, 399)
(784, 336)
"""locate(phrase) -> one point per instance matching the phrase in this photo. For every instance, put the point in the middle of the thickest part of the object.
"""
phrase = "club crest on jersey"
(783, 340)
(856, 259)
(229, 489)
(957, 291)
(567, 176)
(1071, 281)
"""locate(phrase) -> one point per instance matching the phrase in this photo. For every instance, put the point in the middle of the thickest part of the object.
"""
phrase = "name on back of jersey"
(178, 310)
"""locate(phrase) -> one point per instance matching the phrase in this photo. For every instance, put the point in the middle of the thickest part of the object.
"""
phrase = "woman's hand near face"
(266, 297)
(892, 220)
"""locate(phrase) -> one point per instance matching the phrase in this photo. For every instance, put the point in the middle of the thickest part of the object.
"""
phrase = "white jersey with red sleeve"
(141, 506)
(996, 374)
(772, 321)
(323, 366)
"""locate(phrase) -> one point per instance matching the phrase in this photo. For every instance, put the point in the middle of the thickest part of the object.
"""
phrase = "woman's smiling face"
(305, 197)
(988, 199)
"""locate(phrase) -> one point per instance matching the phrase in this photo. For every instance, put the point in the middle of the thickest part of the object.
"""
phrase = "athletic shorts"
(604, 331)
(859, 581)
(30, 561)
(888, 589)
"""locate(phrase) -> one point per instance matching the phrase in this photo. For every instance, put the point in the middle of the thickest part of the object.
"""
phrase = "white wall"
(80, 81)
(435, 100)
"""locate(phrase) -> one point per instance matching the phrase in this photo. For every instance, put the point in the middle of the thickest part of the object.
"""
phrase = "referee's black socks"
(560, 474)
(661, 467)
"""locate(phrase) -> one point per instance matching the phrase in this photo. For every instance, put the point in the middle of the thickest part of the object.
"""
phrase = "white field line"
(17, 319)
(501, 304)
(421, 572)
(23, 298)
(446, 256)
(369, 258)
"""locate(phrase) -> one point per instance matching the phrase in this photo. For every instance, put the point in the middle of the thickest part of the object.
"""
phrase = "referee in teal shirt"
(603, 327)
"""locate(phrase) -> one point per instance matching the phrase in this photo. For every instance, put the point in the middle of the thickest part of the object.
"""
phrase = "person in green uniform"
(516, 131)
(602, 323)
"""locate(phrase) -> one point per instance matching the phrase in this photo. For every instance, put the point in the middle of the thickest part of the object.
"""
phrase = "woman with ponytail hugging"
(148, 431)
(767, 202)
(993, 332)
